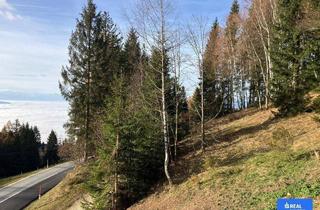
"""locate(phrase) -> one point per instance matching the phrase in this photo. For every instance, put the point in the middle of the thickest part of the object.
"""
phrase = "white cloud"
(5, 5)
(40, 55)
(7, 11)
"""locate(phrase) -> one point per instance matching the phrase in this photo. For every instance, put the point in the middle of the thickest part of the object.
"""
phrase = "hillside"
(252, 159)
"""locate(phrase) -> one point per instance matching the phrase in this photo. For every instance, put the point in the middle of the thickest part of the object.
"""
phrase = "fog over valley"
(47, 115)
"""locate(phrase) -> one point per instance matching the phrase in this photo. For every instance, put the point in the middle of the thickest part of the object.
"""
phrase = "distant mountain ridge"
(21, 96)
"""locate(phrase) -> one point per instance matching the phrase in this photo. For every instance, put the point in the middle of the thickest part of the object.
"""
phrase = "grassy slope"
(246, 165)
(65, 195)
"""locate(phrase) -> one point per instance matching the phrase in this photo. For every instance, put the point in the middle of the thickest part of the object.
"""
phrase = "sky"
(34, 36)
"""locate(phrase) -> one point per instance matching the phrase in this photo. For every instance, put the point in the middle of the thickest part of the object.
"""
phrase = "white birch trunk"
(163, 87)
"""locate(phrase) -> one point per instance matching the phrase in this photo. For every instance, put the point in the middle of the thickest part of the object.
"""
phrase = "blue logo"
(295, 204)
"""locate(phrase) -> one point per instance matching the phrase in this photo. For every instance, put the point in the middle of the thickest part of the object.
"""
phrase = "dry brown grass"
(243, 166)
(65, 195)
(241, 163)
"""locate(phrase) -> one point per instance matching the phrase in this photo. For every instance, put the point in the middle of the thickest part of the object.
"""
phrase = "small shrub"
(210, 162)
(316, 104)
(281, 139)
(316, 118)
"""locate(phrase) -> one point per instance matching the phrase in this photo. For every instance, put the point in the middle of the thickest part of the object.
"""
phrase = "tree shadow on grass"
(192, 159)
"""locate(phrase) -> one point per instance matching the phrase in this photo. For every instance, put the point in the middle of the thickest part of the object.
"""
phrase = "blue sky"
(34, 37)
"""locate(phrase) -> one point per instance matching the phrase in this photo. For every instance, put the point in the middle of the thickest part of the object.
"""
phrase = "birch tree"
(197, 36)
(151, 19)
(263, 19)
(177, 62)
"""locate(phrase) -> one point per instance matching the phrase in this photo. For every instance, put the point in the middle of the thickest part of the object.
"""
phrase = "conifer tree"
(18, 149)
(29, 147)
(131, 55)
(195, 106)
(37, 134)
(309, 24)
(151, 19)
(129, 152)
(172, 85)
(94, 53)
(231, 34)
(52, 148)
(288, 88)
(213, 96)
(235, 8)
(295, 57)
(107, 56)
(76, 86)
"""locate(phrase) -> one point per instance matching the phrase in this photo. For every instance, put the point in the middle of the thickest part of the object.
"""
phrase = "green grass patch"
(258, 181)
(280, 175)
(299, 189)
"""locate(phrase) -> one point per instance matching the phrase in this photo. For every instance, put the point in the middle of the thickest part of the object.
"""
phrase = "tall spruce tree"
(94, 57)
(131, 59)
(129, 154)
(289, 69)
(107, 57)
(295, 54)
(311, 35)
(76, 86)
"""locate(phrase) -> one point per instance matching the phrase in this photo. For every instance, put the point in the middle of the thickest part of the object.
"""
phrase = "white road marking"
(28, 185)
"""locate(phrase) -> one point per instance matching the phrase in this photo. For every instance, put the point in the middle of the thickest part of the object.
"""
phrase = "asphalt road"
(21, 193)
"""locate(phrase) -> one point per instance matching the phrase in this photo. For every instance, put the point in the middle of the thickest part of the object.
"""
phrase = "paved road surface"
(19, 194)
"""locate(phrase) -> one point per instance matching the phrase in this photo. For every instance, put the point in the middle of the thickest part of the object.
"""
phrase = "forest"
(129, 109)
(21, 149)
